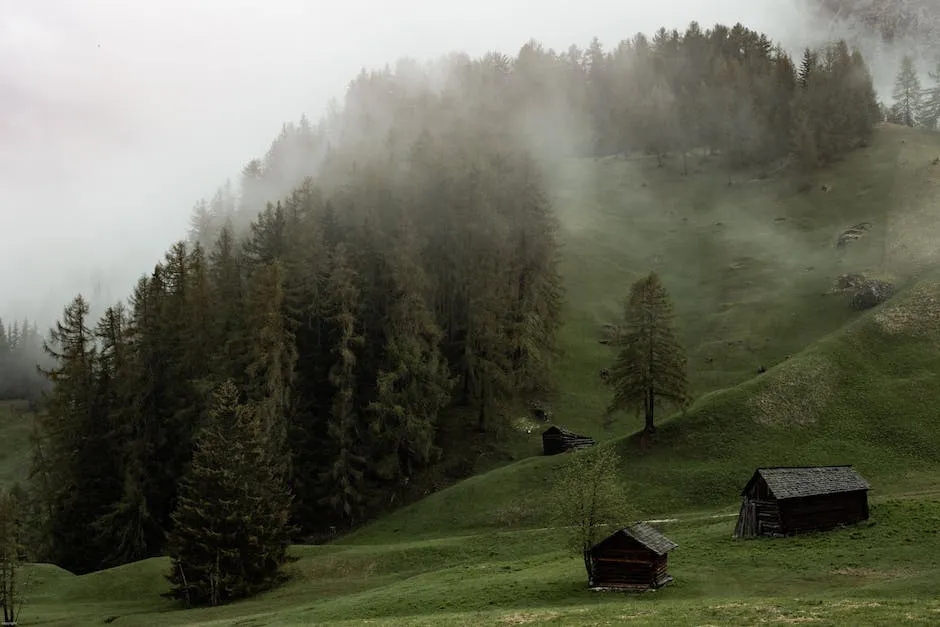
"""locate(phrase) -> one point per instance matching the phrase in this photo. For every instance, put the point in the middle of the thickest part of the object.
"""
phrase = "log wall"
(825, 511)
(628, 566)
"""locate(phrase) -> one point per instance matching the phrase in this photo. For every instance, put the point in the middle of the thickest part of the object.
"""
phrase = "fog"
(115, 117)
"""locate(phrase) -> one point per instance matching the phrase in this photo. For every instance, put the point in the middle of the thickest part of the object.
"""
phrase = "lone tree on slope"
(651, 363)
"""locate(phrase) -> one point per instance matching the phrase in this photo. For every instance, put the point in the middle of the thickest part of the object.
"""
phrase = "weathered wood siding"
(760, 513)
(758, 518)
(763, 515)
(824, 511)
(624, 563)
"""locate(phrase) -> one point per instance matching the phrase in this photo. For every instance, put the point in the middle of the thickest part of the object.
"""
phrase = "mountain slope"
(864, 395)
(862, 390)
(749, 265)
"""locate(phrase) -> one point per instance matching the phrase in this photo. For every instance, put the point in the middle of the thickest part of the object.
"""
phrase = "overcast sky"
(116, 116)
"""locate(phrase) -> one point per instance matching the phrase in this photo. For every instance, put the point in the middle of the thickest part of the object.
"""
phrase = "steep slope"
(750, 265)
(864, 395)
(863, 392)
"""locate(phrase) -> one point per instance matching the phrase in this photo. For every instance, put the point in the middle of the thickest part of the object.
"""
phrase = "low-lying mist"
(116, 118)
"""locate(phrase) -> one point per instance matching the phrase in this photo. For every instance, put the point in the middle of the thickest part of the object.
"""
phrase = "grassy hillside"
(748, 265)
(864, 395)
(881, 572)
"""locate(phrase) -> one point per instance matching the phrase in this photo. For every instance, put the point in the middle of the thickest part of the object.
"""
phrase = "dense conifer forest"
(376, 290)
(20, 352)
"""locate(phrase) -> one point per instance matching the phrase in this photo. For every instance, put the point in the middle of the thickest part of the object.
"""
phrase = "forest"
(377, 289)
(20, 353)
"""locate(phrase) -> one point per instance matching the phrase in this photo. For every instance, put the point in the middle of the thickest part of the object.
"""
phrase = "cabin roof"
(646, 535)
(788, 482)
(562, 431)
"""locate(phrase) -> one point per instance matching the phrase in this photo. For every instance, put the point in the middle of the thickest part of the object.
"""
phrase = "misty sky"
(116, 116)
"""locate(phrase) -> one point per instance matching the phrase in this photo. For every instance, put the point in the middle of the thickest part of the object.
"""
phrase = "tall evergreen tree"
(651, 364)
(231, 531)
(907, 94)
(75, 438)
(414, 382)
(345, 472)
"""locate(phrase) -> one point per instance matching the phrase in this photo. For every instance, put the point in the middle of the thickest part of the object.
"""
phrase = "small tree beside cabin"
(588, 498)
(651, 365)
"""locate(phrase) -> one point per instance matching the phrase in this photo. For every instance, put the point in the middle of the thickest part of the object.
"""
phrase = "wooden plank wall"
(823, 511)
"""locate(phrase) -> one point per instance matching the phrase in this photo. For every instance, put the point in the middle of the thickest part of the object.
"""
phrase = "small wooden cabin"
(786, 500)
(633, 558)
(558, 440)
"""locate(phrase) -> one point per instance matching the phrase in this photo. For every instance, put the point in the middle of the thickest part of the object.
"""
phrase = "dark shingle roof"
(650, 538)
(796, 482)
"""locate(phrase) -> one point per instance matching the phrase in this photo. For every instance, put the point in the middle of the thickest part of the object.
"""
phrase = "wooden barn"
(557, 440)
(787, 500)
(633, 558)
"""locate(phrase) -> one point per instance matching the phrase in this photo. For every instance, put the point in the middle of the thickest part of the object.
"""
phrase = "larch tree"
(908, 95)
(75, 439)
(346, 470)
(414, 382)
(651, 365)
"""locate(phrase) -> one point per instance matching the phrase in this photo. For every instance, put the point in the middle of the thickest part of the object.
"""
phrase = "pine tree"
(231, 532)
(907, 95)
(651, 364)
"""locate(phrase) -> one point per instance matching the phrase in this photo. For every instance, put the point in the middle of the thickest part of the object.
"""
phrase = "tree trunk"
(588, 566)
(650, 404)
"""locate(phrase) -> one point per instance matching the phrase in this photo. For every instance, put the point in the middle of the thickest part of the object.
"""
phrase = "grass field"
(885, 570)
(748, 266)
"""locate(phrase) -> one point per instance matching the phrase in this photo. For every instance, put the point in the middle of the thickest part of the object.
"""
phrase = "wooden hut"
(557, 440)
(633, 558)
(786, 500)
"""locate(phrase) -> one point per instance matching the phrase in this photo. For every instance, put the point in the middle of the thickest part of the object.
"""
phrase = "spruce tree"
(231, 531)
(76, 441)
(651, 364)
